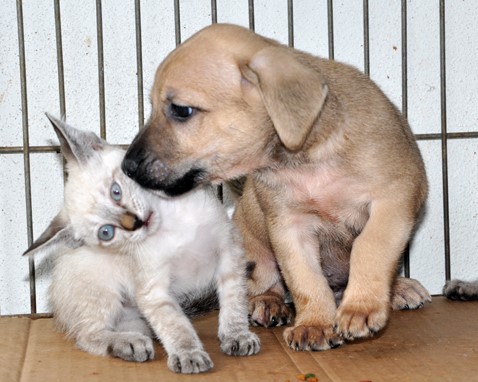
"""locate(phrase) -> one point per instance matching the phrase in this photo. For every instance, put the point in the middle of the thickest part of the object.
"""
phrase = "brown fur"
(337, 179)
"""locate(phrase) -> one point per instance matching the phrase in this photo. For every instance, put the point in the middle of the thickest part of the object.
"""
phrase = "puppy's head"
(224, 104)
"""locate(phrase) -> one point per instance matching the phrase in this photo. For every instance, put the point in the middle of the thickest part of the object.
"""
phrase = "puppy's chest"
(325, 192)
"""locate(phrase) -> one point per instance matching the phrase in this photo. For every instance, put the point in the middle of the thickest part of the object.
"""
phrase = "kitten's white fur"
(108, 294)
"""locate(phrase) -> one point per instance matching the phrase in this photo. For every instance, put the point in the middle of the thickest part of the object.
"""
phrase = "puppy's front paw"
(409, 294)
(190, 361)
(246, 343)
(269, 310)
(360, 318)
(307, 338)
(132, 347)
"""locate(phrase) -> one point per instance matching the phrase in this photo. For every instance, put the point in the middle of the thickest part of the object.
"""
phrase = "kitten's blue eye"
(106, 232)
(115, 192)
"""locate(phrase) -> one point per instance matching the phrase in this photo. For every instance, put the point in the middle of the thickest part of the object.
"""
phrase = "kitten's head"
(102, 206)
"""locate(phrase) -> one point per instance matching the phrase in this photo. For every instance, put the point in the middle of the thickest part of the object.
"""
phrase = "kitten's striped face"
(106, 207)
(102, 206)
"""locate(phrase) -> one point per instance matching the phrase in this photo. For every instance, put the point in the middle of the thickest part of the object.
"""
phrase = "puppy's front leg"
(375, 254)
(297, 251)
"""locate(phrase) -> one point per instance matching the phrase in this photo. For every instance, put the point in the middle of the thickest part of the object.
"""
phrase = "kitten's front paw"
(190, 362)
(246, 343)
(461, 290)
(132, 347)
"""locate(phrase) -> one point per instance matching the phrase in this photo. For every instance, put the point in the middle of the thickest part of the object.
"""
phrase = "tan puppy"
(337, 179)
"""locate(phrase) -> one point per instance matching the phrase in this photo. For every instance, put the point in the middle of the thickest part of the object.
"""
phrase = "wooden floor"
(436, 343)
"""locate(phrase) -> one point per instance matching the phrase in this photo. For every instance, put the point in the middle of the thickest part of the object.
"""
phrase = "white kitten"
(126, 260)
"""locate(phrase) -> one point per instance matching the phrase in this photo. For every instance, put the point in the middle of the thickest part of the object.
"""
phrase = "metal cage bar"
(406, 254)
(139, 62)
(366, 39)
(252, 22)
(444, 143)
(59, 59)
(26, 153)
(101, 68)
(330, 23)
(177, 22)
(290, 22)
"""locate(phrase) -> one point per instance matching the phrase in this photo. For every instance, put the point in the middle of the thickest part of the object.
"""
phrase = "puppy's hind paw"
(409, 294)
(241, 345)
(269, 310)
(190, 362)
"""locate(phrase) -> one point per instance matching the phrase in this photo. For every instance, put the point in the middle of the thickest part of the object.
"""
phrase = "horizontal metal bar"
(56, 149)
(438, 136)
(39, 149)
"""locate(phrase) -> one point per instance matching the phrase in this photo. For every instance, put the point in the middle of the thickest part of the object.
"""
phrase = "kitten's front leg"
(183, 346)
(234, 334)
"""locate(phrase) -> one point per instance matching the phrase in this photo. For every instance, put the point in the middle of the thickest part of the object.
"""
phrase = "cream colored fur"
(335, 180)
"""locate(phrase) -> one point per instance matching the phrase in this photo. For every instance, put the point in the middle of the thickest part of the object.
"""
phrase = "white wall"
(310, 16)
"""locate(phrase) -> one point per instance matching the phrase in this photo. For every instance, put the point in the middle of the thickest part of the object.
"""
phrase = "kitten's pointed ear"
(58, 234)
(76, 145)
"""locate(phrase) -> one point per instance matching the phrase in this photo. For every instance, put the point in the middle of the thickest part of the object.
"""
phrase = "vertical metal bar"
(404, 60)
(213, 11)
(330, 19)
(101, 68)
(177, 22)
(252, 22)
(444, 142)
(219, 188)
(290, 16)
(406, 255)
(366, 39)
(26, 153)
(59, 59)
(139, 63)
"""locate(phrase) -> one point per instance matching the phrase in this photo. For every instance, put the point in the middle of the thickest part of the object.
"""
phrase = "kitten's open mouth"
(148, 220)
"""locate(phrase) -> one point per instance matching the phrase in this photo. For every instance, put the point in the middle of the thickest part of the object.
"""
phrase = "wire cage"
(94, 61)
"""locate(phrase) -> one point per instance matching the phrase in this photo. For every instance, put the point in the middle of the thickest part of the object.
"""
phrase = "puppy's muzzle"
(150, 172)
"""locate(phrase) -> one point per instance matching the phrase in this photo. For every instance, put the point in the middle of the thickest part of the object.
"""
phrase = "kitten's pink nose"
(130, 222)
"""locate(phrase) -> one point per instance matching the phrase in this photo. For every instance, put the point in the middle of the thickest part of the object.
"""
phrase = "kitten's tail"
(198, 305)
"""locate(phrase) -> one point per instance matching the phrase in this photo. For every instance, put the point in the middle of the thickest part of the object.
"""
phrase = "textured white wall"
(158, 34)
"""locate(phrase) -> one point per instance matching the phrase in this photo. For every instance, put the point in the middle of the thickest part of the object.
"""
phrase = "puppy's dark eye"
(181, 113)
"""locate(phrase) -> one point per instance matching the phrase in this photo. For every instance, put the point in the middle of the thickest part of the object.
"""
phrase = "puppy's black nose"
(129, 167)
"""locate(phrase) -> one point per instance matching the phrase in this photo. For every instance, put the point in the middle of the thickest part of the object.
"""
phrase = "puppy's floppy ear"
(293, 93)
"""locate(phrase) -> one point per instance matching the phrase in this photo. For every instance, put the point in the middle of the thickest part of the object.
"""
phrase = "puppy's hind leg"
(265, 285)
